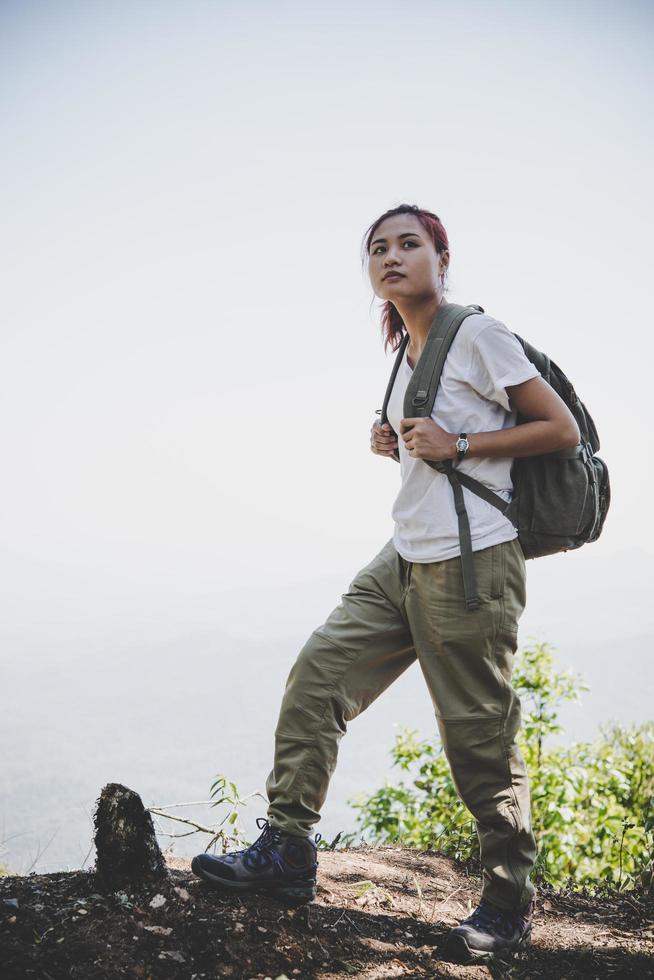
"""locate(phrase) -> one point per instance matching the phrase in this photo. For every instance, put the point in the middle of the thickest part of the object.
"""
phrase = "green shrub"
(592, 802)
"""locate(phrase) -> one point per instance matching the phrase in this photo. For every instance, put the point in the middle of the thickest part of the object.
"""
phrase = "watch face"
(461, 444)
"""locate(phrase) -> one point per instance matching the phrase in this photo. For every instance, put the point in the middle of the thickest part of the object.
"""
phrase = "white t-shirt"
(483, 360)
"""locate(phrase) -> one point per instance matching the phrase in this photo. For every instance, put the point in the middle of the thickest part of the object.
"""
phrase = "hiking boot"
(490, 933)
(277, 862)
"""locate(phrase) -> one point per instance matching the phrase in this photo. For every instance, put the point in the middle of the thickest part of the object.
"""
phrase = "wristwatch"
(462, 446)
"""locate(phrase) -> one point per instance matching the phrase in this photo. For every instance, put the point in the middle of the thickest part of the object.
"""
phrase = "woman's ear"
(444, 256)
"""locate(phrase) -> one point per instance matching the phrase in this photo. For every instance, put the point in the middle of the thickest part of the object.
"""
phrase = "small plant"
(222, 792)
(221, 795)
(4, 870)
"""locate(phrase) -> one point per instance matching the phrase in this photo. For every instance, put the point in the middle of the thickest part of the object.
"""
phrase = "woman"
(408, 603)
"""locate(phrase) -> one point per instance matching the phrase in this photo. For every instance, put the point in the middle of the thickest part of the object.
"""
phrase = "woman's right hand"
(383, 440)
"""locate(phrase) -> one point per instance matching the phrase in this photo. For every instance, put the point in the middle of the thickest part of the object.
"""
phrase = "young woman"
(408, 603)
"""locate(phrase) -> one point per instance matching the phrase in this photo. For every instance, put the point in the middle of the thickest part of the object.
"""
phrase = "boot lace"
(492, 919)
(270, 835)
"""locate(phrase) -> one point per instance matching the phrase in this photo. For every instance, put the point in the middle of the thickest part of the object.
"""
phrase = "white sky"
(190, 358)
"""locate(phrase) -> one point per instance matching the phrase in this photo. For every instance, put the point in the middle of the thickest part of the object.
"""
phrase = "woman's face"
(402, 246)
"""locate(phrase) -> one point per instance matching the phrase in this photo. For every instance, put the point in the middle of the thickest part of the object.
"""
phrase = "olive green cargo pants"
(394, 612)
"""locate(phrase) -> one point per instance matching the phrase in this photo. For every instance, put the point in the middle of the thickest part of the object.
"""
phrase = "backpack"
(560, 499)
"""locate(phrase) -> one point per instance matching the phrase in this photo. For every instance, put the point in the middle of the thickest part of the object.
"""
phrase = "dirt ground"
(381, 912)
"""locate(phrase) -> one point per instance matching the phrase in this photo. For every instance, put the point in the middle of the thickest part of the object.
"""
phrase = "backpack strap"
(419, 401)
(421, 391)
(465, 539)
(389, 388)
(425, 379)
(485, 493)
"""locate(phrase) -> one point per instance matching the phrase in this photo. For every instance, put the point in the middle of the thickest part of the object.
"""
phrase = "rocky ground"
(380, 912)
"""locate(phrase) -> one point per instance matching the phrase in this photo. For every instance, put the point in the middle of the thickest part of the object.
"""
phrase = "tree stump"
(127, 850)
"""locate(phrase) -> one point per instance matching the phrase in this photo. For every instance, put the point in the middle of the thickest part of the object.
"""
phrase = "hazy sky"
(191, 356)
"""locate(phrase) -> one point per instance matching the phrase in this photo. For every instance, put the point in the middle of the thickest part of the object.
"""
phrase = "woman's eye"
(407, 242)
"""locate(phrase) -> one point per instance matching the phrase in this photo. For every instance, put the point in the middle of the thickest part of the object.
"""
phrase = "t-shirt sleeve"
(498, 360)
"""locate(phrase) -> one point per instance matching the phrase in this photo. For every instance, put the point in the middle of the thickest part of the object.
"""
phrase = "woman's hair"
(392, 324)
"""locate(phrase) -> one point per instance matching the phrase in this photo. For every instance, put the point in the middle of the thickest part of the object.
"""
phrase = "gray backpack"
(560, 499)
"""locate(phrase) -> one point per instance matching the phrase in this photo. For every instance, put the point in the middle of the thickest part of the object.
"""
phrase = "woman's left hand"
(424, 439)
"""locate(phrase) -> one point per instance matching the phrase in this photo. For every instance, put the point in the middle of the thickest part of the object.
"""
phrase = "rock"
(172, 954)
(127, 850)
(157, 902)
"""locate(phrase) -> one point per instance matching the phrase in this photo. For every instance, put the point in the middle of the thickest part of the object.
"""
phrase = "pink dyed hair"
(392, 324)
